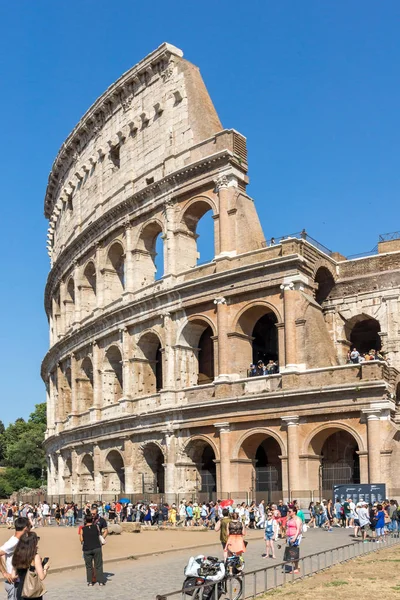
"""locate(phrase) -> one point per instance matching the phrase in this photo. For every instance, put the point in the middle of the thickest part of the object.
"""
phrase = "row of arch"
(195, 359)
(194, 235)
(260, 456)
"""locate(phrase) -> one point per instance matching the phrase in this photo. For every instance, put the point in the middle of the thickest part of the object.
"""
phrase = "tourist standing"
(293, 534)
(92, 551)
(363, 518)
(22, 525)
(380, 524)
(236, 532)
(271, 534)
(26, 558)
(261, 513)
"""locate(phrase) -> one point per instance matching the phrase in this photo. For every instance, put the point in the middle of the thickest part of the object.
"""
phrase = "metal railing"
(266, 579)
(387, 237)
(299, 235)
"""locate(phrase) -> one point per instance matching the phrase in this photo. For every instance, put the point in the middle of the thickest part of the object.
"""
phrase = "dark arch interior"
(115, 460)
(340, 463)
(325, 282)
(207, 470)
(159, 369)
(155, 460)
(268, 469)
(206, 357)
(365, 336)
(265, 343)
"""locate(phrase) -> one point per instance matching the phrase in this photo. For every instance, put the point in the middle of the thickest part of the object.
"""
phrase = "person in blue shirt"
(189, 514)
(379, 523)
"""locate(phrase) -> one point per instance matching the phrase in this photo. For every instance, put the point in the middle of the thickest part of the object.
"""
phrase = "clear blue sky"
(313, 84)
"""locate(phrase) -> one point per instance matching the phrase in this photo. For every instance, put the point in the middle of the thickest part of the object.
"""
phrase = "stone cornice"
(91, 234)
(119, 93)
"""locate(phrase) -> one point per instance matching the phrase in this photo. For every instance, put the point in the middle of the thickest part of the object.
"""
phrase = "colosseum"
(149, 386)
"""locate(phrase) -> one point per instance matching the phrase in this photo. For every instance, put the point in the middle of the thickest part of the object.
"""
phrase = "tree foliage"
(22, 453)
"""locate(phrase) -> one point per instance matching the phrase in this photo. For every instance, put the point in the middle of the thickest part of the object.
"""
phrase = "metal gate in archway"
(339, 473)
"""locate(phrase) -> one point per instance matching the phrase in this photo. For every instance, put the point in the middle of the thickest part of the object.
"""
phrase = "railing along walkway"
(266, 579)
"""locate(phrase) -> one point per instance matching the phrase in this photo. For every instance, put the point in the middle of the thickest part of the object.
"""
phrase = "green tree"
(23, 453)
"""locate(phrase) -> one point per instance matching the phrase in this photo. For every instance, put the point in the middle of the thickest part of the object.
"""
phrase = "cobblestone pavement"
(143, 579)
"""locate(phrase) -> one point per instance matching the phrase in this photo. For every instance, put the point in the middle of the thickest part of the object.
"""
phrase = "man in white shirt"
(363, 517)
(22, 524)
(46, 514)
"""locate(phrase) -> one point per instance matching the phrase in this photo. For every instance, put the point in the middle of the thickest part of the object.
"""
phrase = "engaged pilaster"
(374, 443)
(292, 424)
(225, 457)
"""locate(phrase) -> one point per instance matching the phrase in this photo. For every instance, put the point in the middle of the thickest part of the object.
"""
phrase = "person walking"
(380, 524)
(26, 558)
(363, 518)
(21, 525)
(222, 526)
(92, 551)
(236, 532)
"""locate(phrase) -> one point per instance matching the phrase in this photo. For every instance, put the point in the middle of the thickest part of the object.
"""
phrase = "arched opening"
(265, 339)
(325, 283)
(114, 473)
(85, 385)
(112, 376)
(88, 289)
(65, 390)
(339, 458)
(365, 336)
(114, 273)
(150, 371)
(257, 339)
(86, 475)
(56, 314)
(69, 303)
(195, 239)
(196, 353)
(202, 476)
(261, 469)
(153, 476)
(150, 254)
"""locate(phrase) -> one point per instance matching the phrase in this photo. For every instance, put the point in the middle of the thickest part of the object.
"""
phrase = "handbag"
(33, 587)
(102, 540)
(305, 528)
(291, 554)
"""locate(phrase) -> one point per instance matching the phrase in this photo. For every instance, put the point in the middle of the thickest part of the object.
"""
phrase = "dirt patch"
(373, 576)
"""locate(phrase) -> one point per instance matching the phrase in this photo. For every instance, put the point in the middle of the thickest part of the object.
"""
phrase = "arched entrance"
(365, 335)
(260, 466)
(150, 368)
(88, 289)
(257, 339)
(86, 475)
(325, 284)
(195, 237)
(114, 273)
(196, 363)
(154, 479)
(114, 473)
(201, 479)
(339, 461)
(85, 385)
(265, 342)
(112, 376)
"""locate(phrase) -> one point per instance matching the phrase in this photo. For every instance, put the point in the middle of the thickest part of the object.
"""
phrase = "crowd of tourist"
(355, 357)
(285, 521)
(259, 369)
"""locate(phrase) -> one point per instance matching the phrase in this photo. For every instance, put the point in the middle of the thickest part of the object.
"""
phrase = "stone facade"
(147, 378)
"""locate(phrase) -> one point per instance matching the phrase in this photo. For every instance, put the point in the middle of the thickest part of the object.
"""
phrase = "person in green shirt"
(196, 513)
(223, 527)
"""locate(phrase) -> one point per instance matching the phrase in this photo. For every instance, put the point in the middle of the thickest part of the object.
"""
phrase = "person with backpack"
(222, 526)
(92, 551)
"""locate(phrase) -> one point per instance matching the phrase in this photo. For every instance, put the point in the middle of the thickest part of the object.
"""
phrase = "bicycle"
(202, 587)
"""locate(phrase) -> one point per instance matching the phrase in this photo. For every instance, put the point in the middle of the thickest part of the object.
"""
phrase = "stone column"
(169, 353)
(74, 390)
(374, 444)
(169, 238)
(126, 363)
(97, 467)
(51, 404)
(292, 423)
(99, 279)
(62, 309)
(60, 470)
(225, 458)
(74, 475)
(95, 410)
(170, 471)
(128, 460)
(78, 293)
(223, 350)
(289, 300)
(129, 260)
(225, 187)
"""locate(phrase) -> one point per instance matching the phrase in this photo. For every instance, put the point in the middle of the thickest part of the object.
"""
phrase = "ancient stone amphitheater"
(147, 376)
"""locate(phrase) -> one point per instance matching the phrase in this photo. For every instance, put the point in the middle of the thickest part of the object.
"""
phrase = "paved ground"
(143, 579)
